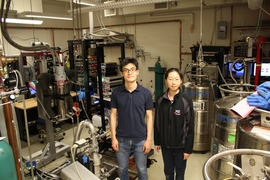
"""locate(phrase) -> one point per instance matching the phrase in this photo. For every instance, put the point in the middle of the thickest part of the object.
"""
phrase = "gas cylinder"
(7, 164)
(159, 78)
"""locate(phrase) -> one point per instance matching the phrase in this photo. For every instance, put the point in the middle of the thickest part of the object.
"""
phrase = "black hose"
(4, 15)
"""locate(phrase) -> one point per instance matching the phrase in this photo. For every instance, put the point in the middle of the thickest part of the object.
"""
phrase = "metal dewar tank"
(202, 96)
(250, 134)
(223, 135)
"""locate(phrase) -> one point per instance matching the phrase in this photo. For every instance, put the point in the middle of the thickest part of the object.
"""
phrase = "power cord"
(73, 159)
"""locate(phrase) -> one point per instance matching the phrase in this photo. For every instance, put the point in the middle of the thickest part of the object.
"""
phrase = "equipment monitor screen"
(265, 69)
(238, 69)
(32, 88)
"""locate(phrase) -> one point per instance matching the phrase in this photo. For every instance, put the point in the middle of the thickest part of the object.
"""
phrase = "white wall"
(163, 39)
(24, 37)
(158, 37)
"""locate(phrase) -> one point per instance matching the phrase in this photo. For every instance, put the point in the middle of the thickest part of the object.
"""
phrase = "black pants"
(174, 162)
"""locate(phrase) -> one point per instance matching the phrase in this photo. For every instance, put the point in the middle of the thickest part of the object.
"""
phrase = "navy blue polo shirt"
(131, 108)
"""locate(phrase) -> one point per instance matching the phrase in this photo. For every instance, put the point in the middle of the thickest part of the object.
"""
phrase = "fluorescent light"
(83, 3)
(45, 15)
(49, 17)
(22, 21)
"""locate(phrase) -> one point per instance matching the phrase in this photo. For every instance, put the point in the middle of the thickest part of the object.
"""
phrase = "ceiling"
(86, 1)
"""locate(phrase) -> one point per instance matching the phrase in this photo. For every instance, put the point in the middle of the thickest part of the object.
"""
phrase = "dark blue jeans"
(173, 162)
(125, 149)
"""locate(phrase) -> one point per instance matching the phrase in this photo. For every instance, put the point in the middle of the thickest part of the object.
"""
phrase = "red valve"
(76, 105)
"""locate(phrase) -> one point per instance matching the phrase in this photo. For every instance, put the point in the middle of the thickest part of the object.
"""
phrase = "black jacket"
(174, 122)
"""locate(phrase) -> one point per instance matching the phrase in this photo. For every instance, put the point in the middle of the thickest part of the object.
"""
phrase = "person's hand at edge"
(157, 148)
(147, 146)
(115, 144)
(186, 156)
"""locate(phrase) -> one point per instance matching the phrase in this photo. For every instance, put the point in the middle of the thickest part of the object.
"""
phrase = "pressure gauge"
(202, 64)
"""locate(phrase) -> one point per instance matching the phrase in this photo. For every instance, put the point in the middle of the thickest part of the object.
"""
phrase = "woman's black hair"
(171, 70)
(126, 61)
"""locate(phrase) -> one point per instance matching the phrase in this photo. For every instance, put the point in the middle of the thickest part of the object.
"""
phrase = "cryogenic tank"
(7, 164)
(202, 96)
(250, 134)
(223, 135)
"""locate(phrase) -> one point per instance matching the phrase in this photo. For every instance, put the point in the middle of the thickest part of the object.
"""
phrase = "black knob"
(10, 82)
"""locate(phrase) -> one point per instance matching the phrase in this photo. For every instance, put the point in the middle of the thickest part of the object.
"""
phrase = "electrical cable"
(15, 37)
(17, 80)
(214, 28)
(257, 29)
(221, 75)
(84, 109)
(33, 27)
(73, 159)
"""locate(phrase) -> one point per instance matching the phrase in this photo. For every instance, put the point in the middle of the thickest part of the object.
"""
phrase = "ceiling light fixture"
(83, 3)
(22, 21)
(44, 15)
(120, 4)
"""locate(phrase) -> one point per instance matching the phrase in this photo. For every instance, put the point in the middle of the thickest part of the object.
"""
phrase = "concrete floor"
(155, 171)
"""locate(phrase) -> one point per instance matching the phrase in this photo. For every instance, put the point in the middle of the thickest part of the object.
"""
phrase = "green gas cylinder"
(159, 78)
(7, 164)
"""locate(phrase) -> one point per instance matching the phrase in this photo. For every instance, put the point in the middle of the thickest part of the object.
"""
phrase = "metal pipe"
(12, 135)
(18, 138)
(96, 155)
(230, 152)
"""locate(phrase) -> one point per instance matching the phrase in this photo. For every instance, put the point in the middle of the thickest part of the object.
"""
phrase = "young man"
(131, 121)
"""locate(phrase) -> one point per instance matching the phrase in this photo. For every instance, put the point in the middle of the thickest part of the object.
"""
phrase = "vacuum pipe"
(96, 156)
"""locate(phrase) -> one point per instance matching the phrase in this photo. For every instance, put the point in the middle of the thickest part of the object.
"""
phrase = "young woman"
(174, 126)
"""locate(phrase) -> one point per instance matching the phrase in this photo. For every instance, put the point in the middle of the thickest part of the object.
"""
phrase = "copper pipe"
(1, 67)
(53, 40)
(12, 135)
(231, 25)
(180, 45)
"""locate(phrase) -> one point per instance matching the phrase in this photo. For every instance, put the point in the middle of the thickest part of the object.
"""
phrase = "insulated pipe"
(91, 24)
(96, 156)
(12, 135)
(89, 125)
(214, 158)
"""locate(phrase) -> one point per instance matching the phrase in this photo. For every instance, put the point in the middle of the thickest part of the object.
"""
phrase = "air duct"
(254, 4)
(119, 4)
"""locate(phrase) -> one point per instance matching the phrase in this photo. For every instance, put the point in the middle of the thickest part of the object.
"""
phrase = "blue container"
(7, 163)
